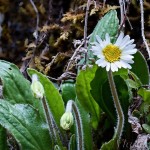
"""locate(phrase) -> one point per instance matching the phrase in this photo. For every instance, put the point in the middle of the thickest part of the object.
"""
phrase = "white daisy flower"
(114, 56)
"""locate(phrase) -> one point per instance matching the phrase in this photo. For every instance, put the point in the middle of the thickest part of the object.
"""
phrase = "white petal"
(97, 48)
(100, 42)
(129, 47)
(125, 40)
(126, 57)
(117, 63)
(113, 67)
(130, 51)
(104, 64)
(101, 56)
(101, 62)
(98, 39)
(124, 64)
(93, 43)
(129, 61)
(119, 39)
(105, 44)
(129, 42)
(108, 66)
(96, 52)
(97, 44)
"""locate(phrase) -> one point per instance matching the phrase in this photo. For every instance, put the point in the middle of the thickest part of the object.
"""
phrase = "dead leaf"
(141, 142)
(31, 45)
(134, 121)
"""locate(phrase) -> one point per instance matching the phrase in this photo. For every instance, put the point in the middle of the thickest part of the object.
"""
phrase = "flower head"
(66, 120)
(37, 87)
(114, 56)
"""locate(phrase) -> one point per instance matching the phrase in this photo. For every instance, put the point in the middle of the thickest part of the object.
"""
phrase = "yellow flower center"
(112, 53)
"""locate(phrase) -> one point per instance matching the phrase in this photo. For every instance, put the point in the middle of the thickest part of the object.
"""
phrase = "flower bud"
(37, 89)
(66, 120)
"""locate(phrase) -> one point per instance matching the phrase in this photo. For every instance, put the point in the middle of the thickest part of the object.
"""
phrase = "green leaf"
(144, 108)
(72, 143)
(25, 124)
(57, 147)
(148, 118)
(123, 94)
(140, 68)
(135, 78)
(132, 84)
(111, 145)
(3, 139)
(96, 87)
(68, 90)
(16, 88)
(146, 127)
(145, 94)
(100, 91)
(102, 94)
(52, 95)
(108, 24)
(84, 96)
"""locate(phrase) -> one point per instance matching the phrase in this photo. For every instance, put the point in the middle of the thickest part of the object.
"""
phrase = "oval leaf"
(140, 68)
(111, 145)
(146, 127)
(16, 88)
(3, 139)
(25, 124)
(68, 91)
(84, 96)
(108, 24)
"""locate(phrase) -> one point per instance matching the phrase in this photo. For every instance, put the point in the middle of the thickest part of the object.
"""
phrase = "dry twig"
(142, 28)
(84, 42)
(122, 13)
(73, 56)
(37, 19)
(85, 27)
(35, 34)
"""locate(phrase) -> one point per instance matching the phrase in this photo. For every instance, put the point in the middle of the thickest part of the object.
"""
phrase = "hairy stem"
(48, 119)
(120, 115)
(71, 105)
(54, 131)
